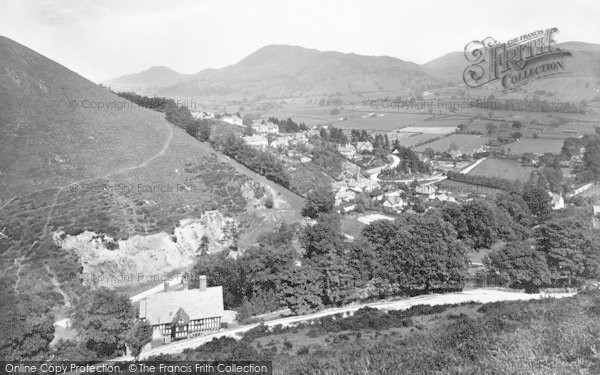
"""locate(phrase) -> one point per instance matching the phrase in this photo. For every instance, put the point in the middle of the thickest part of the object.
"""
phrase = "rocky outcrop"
(139, 259)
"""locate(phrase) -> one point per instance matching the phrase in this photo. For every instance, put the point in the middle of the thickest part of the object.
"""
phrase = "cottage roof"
(163, 308)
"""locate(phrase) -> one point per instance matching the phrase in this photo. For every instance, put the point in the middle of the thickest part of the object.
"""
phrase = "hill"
(151, 79)
(283, 70)
(102, 178)
(579, 83)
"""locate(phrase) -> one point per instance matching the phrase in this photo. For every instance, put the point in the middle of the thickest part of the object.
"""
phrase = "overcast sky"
(103, 39)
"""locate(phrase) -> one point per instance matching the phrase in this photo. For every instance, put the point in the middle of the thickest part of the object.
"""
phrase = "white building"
(347, 150)
(261, 127)
(183, 314)
(256, 141)
(364, 147)
(232, 120)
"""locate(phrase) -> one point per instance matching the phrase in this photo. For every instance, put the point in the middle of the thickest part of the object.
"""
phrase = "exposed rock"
(146, 258)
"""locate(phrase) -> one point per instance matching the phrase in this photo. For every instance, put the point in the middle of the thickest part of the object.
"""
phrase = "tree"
(221, 269)
(420, 253)
(27, 326)
(204, 242)
(429, 152)
(520, 266)
(319, 200)
(516, 207)
(300, 289)
(101, 319)
(570, 247)
(538, 201)
(137, 337)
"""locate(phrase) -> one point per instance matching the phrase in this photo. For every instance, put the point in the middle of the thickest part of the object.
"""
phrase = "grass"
(502, 168)
(465, 142)
(535, 145)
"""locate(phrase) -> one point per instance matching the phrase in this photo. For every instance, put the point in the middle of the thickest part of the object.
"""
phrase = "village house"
(262, 127)
(203, 115)
(232, 120)
(281, 142)
(557, 201)
(362, 147)
(394, 204)
(257, 141)
(347, 150)
(177, 315)
(425, 189)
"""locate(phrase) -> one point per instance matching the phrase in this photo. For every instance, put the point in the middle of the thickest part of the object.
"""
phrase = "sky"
(102, 39)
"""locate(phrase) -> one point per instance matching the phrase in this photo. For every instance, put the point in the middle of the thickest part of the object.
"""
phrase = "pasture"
(465, 142)
(535, 145)
(509, 169)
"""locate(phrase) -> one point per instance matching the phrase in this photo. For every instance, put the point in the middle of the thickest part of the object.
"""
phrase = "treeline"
(564, 252)
(330, 271)
(491, 182)
(333, 135)
(591, 156)
(289, 125)
(537, 105)
(259, 161)
(328, 159)
(177, 115)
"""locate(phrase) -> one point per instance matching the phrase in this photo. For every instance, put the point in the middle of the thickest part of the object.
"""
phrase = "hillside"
(101, 178)
(282, 70)
(48, 140)
(583, 68)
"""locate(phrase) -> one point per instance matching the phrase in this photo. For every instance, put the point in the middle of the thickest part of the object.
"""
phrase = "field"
(502, 168)
(535, 145)
(465, 142)
(412, 140)
(576, 128)
(441, 130)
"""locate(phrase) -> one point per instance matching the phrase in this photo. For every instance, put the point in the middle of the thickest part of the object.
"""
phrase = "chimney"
(185, 279)
(166, 286)
(202, 283)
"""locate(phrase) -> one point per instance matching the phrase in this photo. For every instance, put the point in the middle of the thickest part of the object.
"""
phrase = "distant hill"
(282, 70)
(153, 78)
(450, 66)
(584, 69)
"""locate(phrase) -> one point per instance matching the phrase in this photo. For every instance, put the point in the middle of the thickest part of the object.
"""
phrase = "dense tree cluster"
(289, 125)
(491, 182)
(328, 159)
(390, 258)
(333, 135)
(319, 200)
(177, 115)
(590, 143)
(564, 251)
(481, 222)
(410, 163)
(259, 161)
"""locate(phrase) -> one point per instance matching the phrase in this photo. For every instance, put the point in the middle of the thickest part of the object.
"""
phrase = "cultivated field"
(535, 145)
(465, 142)
(413, 139)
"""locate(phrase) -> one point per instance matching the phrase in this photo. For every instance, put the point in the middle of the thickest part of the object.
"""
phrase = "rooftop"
(162, 308)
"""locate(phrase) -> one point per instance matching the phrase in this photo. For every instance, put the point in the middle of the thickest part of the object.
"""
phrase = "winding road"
(475, 295)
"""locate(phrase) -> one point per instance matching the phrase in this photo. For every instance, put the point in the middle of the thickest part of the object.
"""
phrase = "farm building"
(176, 315)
